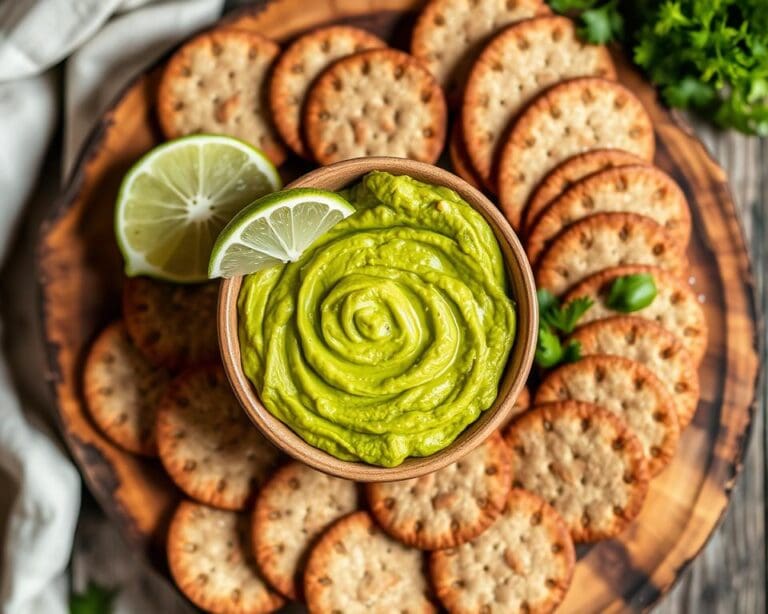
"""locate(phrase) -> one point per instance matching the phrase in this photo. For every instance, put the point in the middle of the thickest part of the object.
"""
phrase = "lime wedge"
(175, 200)
(275, 229)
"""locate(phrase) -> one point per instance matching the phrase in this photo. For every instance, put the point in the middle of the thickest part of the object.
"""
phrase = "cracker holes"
(618, 444)
(639, 383)
(599, 374)
(655, 451)
(636, 132)
(439, 20)
(658, 249)
(325, 46)
(681, 387)
(622, 185)
(631, 336)
(618, 511)
(624, 233)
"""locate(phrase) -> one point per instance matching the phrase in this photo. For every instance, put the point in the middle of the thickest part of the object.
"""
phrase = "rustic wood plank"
(730, 574)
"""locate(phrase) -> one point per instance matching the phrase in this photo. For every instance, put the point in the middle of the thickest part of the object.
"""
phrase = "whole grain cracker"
(210, 559)
(653, 346)
(292, 509)
(206, 442)
(460, 161)
(449, 506)
(356, 568)
(449, 34)
(676, 306)
(628, 389)
(640, 189)
(173, 325)
(524, 562)
(217, 83)
(300, 64)
(584, 461)
(522, 404)
(570, 118)
(380, 102)
(606, 240)
(575, 168)
(122, 390)
(517, 65)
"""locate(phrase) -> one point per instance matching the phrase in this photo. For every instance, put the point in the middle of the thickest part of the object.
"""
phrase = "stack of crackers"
(540, 123)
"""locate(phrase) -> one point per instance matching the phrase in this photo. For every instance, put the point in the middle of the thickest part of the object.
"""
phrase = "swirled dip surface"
(390, 334)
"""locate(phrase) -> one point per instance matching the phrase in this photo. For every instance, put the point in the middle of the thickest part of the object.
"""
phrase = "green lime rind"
(293, 199)
(136, 261)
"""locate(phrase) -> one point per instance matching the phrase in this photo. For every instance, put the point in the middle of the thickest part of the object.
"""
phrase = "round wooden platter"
(80, 277)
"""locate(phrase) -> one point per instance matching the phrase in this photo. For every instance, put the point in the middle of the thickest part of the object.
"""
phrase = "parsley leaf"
(95, 600)
(572, 351)
(709, 56)
(549, 350)
(565, 318)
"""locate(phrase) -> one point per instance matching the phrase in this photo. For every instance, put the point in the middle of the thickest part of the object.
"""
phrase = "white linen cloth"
(106, 42)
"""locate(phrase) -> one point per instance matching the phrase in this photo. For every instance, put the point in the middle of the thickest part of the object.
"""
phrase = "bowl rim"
(521, 355)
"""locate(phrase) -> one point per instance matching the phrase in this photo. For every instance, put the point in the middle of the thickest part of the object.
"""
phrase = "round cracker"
(357, 568)
(450, 506)
(300, 64)
(292, 509)
(122, 390)
(514, 68)
(460, 161)
(641, 189)
(676, 306)
(574, 169)
(523, 563)
(380, 102)
(211, 562)
(585, 462)
(653, 346)
(449, 34)
(570, 118)
(606, 240)
(217, 83)
(173, 325)
(628, 389)
(206, 442)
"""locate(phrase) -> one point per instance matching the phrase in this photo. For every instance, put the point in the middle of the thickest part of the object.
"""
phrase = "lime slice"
(275, 229)
(175, 200)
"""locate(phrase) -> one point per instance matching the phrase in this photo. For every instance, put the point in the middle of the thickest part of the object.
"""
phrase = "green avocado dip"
(391, 332)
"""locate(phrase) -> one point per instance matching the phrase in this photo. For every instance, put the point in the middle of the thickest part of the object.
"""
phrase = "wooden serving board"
(80, 277)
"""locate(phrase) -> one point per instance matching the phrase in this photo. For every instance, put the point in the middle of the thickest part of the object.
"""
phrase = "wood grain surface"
(79, 274)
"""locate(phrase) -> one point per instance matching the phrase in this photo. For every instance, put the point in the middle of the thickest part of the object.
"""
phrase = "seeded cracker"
(606, 240)
(569, 172)
(460, 161)
(173, 325)
(516, 66)
(630, 391)
(584, 461)
(450, 506)
(217, 83)
(211, 561)
(292, 509)
(675, 307)
(449, 34)
(523, 563)
(380, 102)
(122, 391)
(207, 444)
(355, 568)
(297, 68)
(650, 344)
(568, 119)
(643, 189)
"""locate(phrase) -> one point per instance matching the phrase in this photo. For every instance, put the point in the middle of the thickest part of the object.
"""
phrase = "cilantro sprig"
(554, 319)
(710, 56)
(96, 599)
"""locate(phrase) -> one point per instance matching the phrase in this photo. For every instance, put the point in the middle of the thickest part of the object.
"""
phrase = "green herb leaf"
(95, 600)
(546, 300)
(572, 351)
(549, 351)
(565, 318)
(602, 25)
(630, 293)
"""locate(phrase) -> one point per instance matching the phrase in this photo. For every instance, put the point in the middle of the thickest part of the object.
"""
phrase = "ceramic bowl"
(335, 177)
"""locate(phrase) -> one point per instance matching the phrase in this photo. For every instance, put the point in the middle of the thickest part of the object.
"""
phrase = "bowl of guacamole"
(399, 340)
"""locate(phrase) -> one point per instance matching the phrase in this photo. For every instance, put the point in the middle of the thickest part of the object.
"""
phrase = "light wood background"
(729, 577)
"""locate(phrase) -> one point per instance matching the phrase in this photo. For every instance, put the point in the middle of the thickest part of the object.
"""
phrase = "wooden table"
(729, 576)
